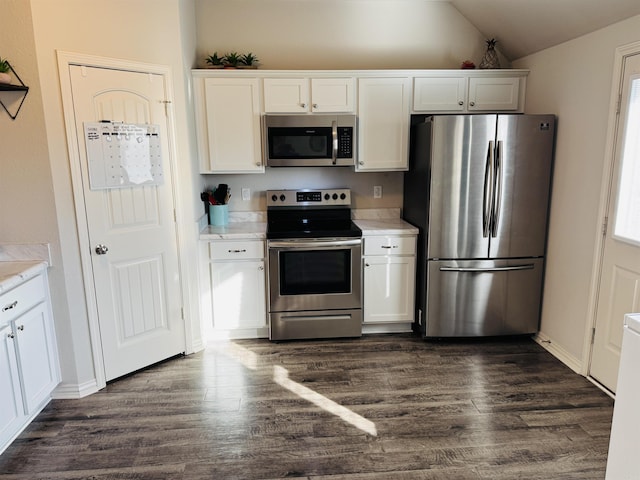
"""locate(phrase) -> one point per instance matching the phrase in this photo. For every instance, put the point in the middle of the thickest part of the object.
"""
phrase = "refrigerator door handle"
(487, 193)
(513, 268)
(497, 190)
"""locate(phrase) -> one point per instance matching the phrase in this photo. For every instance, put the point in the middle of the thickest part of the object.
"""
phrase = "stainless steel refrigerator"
(478, 189)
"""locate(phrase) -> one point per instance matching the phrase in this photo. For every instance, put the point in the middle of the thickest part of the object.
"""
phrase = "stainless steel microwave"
(315, 140)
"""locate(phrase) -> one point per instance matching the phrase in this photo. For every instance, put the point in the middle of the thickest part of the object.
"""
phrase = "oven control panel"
(309, 197)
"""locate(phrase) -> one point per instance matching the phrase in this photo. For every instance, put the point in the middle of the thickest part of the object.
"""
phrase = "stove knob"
(335, 196)
(342, 196)
(327, 196)
(274, 197)
(282, 197)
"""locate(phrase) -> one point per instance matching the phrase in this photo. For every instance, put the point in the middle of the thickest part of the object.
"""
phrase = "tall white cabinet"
(228, 114)
(383, 123)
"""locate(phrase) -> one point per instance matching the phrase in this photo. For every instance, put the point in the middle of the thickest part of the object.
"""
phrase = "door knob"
(101, 249)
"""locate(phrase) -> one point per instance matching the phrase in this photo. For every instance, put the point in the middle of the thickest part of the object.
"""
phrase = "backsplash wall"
(361, 185)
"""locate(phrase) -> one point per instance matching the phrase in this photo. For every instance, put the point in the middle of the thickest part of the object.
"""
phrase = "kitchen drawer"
(236, 250)
(17, 301)
(382, 245)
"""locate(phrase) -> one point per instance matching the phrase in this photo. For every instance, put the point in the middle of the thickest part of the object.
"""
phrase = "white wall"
(27, 201)
(573, 80)
(339, 34)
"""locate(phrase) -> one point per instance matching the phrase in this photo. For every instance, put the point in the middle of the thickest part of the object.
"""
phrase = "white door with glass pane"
(619, 291)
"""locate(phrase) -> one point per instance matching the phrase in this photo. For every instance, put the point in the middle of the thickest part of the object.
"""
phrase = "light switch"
(246, 194)
(377, 191)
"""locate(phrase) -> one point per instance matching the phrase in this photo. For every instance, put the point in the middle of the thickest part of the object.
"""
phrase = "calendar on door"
(123, 154)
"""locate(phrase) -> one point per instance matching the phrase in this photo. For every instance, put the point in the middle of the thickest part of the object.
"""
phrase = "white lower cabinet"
(389, 279)
(11, 406)
(238, 284)
(28, 357)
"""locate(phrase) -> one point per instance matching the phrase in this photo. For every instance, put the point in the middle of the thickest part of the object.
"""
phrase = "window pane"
(627, 224)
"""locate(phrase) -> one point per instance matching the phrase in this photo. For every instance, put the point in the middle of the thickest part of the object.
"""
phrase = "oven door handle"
(318, 244)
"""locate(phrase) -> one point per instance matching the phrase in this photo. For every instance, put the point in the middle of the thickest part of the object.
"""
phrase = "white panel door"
(137, 281)
(619, 291)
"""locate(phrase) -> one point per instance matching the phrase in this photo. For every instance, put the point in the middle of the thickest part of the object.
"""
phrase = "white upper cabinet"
(494, 94)
(228, 125)
(229, 105)
(303, 95)
(383, 123)
(469, 92)
(439, 94)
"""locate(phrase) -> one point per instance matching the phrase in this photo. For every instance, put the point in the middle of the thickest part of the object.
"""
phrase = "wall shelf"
(8, 87)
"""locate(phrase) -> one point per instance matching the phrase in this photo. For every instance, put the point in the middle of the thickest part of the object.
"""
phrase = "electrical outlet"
(377, 191)
(246, 194)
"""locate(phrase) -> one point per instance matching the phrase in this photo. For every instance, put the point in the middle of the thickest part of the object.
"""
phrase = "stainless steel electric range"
(314, 261)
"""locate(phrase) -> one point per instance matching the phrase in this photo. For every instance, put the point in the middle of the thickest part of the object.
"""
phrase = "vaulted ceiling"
(523, 27)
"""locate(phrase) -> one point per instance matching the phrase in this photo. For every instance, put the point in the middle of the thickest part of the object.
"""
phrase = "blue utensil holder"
(219, 215)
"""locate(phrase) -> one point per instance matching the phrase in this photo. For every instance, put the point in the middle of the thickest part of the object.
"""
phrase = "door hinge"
(619, 103)
(175, 216)
(182, 312)
(605, 224)
(166, 103)
(593, 335)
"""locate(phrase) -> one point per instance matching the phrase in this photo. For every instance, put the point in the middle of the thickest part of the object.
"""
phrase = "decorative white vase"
(5, 77)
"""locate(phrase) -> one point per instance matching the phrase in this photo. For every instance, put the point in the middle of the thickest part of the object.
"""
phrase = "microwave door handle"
(334, 141)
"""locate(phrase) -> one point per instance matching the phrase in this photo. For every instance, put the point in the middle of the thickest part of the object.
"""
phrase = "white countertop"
(387, 226)
(13, 274)
(235, 231)
(257, 230)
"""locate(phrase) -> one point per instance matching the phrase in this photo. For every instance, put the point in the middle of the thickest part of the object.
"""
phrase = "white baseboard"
(368, 329)
(75, 390)
(560, 353)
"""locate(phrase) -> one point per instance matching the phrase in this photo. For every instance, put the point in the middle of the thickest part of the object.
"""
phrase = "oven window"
(299, 142)
(315, 272)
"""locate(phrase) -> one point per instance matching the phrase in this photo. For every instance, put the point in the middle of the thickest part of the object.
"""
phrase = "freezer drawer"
(474, 298)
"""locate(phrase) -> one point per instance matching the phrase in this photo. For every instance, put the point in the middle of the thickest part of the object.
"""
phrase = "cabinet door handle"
(21, 328)
(367, 265)
(472, 104)
(10, 306)
(303, 105)
(10, 335)
(261, 268)
(238, 251)
(460, 103)
(315, 105)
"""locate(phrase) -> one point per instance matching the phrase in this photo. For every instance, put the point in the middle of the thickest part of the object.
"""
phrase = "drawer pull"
(389, 246)
(244, 250)
(10, 306)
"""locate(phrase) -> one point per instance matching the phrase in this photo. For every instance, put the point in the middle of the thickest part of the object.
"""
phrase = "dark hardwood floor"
(380, 407)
